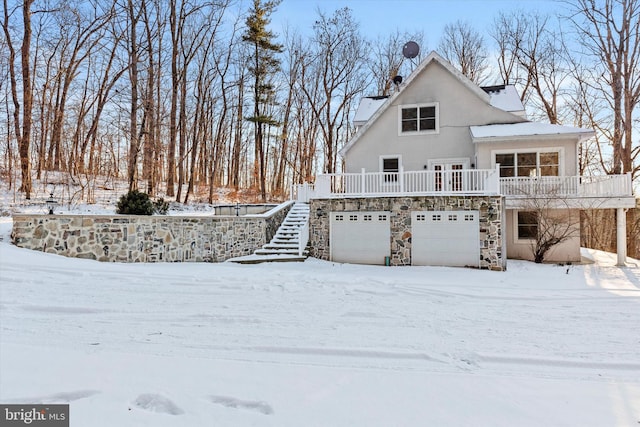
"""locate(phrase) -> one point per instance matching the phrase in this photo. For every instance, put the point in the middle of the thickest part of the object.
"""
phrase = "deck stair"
(285, 244)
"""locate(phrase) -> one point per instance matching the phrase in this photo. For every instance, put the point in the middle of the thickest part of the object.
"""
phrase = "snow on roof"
(505, 97)
(367, 108)
(525, 129)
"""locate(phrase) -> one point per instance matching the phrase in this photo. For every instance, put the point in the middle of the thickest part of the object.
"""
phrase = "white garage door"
(360, 237)
(449, 238)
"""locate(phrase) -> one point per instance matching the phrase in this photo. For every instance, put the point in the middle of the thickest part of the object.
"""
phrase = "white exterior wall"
(459, 108)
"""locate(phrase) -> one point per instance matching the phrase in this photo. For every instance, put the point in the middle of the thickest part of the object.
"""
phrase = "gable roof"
(493, 133)
(504, 97)
(432, 57)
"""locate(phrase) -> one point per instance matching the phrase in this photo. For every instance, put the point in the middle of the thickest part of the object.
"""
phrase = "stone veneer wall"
(139, 238)
(492, 252)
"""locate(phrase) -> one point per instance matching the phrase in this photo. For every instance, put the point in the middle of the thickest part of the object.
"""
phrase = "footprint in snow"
(157, 403)
(232, 402)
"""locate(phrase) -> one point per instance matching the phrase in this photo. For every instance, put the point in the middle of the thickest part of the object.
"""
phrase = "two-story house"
(444, 172)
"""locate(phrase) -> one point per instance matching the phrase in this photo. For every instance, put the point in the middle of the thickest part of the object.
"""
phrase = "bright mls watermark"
(34, 415)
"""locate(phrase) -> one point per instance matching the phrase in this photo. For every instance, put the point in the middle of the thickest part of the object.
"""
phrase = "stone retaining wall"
(492, 252)
(135, 238)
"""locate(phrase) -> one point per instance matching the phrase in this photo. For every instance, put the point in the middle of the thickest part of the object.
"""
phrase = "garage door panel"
(360, 237)
(445, 238)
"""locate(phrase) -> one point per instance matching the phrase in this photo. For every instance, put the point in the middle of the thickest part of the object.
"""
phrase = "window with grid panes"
(527, 225)
(421, 118)
(529, 164)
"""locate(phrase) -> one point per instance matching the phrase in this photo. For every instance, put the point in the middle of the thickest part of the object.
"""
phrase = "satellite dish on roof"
(397, 80)
(410, 50)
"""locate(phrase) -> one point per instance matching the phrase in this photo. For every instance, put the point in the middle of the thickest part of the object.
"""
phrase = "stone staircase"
(285, 244)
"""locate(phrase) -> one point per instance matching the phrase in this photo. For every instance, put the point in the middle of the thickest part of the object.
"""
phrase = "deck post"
(621, 236)
(363, 181)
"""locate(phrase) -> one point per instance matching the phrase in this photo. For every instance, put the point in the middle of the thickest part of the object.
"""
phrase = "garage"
(450, 238)
(360, 237)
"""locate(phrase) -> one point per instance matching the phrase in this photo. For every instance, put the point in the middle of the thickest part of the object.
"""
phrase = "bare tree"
(337, 62)
(290, 73)
(23, 133)
(507, 32)
(108, 73)
(387, 60)
(81, 32)
(235, 167)
(188, 29)
(205, 94)
(610, 33)
(585, 109)
(596, 227)
(532, 54)
(546, 217)
(221, 144)
(553, 228)
(134, 12)
(464, 47)
(154, 23)
(541, 54)
(176, 75)
(6, 166)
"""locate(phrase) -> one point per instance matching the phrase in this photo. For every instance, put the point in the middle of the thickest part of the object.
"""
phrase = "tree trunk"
(27, 96)
(134, 146)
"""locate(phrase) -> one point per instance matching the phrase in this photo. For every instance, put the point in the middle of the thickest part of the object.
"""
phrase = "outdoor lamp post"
(51, 203)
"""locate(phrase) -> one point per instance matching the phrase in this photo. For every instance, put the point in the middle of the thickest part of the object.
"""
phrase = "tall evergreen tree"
(264, 63)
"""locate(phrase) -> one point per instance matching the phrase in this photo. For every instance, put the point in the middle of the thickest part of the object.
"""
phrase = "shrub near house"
(138, 203)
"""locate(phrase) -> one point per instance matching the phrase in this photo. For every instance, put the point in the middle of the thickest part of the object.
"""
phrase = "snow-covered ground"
(319, 343)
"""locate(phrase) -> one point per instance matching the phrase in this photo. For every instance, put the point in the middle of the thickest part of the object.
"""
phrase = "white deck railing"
(466, 181)
(366, 184)
(302, 192)
(573, 186)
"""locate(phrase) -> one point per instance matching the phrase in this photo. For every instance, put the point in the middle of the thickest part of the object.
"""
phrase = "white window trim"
(419, 132)
(538, 151)
(516, 235)
(389, 156)
(381, 167)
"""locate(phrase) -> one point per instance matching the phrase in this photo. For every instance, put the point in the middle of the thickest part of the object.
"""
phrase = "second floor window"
(419, 118)
(529, 164)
